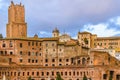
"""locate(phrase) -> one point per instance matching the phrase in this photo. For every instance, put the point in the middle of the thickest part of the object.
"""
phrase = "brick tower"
(16, 27)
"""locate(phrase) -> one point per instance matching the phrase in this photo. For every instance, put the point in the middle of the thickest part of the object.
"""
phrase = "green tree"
(84, 78)
(58, 77)
(29, 78)
(110, 78)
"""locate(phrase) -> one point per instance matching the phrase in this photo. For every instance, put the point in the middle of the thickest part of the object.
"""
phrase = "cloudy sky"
(101, 17)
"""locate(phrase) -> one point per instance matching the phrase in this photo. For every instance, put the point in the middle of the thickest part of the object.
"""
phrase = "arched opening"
(83, 61)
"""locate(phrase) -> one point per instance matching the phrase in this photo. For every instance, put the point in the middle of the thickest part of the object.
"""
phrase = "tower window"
(21, 45)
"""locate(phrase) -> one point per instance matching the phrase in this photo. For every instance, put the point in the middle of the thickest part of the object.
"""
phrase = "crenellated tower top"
(16, 27)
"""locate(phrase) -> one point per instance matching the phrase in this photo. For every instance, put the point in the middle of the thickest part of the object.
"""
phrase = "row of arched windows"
(4, 44)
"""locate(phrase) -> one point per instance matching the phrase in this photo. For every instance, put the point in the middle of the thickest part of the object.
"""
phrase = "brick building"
(42, 58)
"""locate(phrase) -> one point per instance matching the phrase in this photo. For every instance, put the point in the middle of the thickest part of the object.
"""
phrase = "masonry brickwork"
(43, 58)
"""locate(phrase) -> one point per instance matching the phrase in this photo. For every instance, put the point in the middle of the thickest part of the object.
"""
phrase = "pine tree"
(58, 77)
(84, 78)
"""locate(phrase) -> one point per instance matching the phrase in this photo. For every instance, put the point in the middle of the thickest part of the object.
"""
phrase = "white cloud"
(101, 29)
(66, 11)
(44, 34)
(116, 20)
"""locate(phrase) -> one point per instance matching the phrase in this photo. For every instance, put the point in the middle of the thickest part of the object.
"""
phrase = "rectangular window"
(21, 45)
(74, 73)
(67, 60)
(42, 73)
(23, 73)
(52, 73)
(32, 43)
(21, 60)
(40, 44)
(47, 73)
(5, 52)
(10, 60)
(32, 73)
(11, 45)
(32, 61)
(77, 73)
(36, 61)
(46, 60)
(28, 60)
(40, 49)
(28, 43)
(29, 53)
(66, 73)
(36, 53)
(60, 60)
(104, 76)
(20, 52)
(18, 73)
(53, 60)
(53, 64)
(28, 73)
(14, 73)
(37, 73)
(11, 73)
(70, 73)
(11, 53)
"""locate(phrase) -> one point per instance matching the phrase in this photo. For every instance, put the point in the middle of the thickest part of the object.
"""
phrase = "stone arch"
(88, 60)
(83, 61)
(78, 62)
